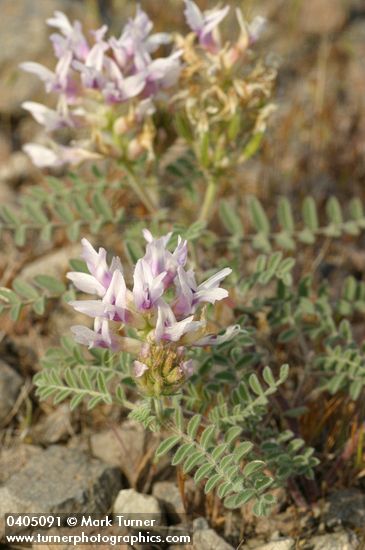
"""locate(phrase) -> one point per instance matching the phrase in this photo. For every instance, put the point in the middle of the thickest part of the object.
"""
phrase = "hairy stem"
(209, 198)
(140, 191)
(157, 404)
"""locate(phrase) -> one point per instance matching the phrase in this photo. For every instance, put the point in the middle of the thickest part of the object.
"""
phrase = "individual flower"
(161, 259)
(71, 37)
(58, 81)
(204, 23)
(57, 155)
(163, 308)
(51, 119)
(190, 294)
(256, 28)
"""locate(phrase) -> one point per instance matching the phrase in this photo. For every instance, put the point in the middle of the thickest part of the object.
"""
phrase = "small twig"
(24, 393)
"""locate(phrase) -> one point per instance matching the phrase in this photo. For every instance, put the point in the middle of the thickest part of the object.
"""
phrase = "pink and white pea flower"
(168, 328)
(190, 295)
(100, 276)
(57, 155)
(71, 38)
(204, 23)
(147, 288)
(217, 339)
(60, 80)
(49, 118)
(99, 337)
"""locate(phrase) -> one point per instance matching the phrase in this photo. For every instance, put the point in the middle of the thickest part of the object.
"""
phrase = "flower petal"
(139, 368)
(93, 308)
(86, 283)
(217, 339)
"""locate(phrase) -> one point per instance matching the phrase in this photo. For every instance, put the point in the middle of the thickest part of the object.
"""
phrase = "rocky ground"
(54, 461)
(99, 479)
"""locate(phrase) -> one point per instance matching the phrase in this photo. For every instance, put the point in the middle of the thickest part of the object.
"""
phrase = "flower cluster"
(224, 90)
(107, 88)
(105, 85)
(165, 309)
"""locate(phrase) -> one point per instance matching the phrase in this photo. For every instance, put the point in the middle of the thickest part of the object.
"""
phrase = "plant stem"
(158, 409)
(209, 198)
(140, 191)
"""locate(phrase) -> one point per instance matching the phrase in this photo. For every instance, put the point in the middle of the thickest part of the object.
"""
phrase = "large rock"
(10, 384)
(207, 539)
(60, 480)
(200, 523)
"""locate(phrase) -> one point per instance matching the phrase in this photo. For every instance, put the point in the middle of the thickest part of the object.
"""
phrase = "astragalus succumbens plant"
(155, 338)
(145, 339)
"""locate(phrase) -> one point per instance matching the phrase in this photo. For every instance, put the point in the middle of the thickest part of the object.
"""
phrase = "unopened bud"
(135, 149)
(121, 126)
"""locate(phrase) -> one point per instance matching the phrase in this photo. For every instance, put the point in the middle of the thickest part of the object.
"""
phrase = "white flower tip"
(86, 243)
(139, 368)
(41, 156)
(147, 235)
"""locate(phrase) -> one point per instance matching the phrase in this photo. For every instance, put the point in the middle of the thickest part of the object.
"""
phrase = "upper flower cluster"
(120, 68)
(108, 72)
(107, 88)
(163, 307)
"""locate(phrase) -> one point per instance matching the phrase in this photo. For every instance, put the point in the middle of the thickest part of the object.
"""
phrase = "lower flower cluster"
(164, 311)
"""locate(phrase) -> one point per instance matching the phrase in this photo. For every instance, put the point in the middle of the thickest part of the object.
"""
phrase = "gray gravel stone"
(282, 544)
(54, 427)
(207, 539)
(10, 384)
(253, 543)
(169, 495)
(347, 507)
(129, 501)
(60, 480)
(200, 523)
(334, 541)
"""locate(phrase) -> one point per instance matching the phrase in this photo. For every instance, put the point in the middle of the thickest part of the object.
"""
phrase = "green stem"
(158, 409)
(140, 191)
(209, 198)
